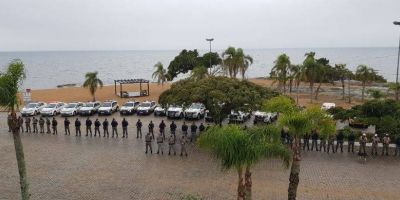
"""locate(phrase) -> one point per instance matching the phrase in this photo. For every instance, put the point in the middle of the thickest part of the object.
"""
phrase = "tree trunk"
(317, 91)
(311, 90)
(19, 152)
(284, 86)
(297, 92)
(294, 171)
(290, 85)
(241, 188)
(248, 183)
(94, 98)
(342, 80)
(349, 91)
(362, 92)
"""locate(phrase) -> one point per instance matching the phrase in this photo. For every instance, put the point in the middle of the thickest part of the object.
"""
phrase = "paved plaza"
(69, 167)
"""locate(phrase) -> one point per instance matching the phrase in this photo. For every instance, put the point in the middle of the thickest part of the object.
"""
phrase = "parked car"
(52, 109)
(327, 106)
(264, 117)
(129, 107)
(208, 117)
(238, 117)
(32, 109)
(160, 111)
(89, 108)
(175, 111)
(71, 109)
(146, 108)
(195, 111)
(108, 107)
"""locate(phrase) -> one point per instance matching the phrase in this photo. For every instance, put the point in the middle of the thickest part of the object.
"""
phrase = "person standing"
(148, 139)
(139, 129)
(375, 142)
(314, 141)
(41, 125)
(172, 128)
(114, 126)
(105, 128)
(9, 121)
(363, 144)
(322, 143)
(124, 128)
(397, 151)
(331, 143)
(21, 124)
(386, 142)
(351, 140)
(160, 142)
(202, 128)
(151, 129)
(48, 124)
(66, 126)
(183, 142)
(171, 143)
(185, 129)
(306, 142)
(28, 125)
(162, 128)
(88, 127)
(78, 127)
(339, 141)
(97, 125)
(54, 125)
(35, 123)
(193, 129)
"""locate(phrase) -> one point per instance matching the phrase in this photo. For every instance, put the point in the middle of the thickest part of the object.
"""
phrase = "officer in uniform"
(9, 120)
(162, 128)
(54, 125)
(114, 125)
(306, 142)
(331, 141)
(41, 125)
(151, 128)
(314, 138)
(185, 129)
(202, 128)
(375, 142)
(193, 129)
(397, 151)
(21, 123)
(322, 143)
(339, 141)
(105, 128)
(160, 141)
(183, 142)
(386, 142)
(148, 142)
(66, 126)
(363, 144)
(172, 128)
(351, 139)
(78, 127)
(48, 124)
(139, 129)
(171, 143)
(35, 123)
(97, 125)
(88, 127)
(124, 128)
(28, 125)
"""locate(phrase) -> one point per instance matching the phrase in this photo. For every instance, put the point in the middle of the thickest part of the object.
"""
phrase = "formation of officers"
(46, 125)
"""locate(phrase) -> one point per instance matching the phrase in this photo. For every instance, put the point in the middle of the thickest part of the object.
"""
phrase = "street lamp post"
(210, 40)
(398, 60)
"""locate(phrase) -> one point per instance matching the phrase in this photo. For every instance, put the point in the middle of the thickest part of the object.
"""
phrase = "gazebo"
(128, 94)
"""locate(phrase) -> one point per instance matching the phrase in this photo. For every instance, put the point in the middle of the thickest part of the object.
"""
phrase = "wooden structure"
(125, 94)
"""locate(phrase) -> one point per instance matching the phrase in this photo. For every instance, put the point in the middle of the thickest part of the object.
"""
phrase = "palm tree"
(298, 75)
(365, 75)
(240, 149)
(234, 60)
(92, 82)
(342, 73)
(325, 74)
(160, 74)
(10, 81)
(310, 71)
(281, 70)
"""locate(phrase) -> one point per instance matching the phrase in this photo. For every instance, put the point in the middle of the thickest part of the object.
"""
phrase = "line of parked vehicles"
(194, 111)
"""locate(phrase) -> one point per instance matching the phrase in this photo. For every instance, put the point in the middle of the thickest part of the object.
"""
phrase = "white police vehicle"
(195, 111)
(129, 107)
(239, 117)
(89, 108)
(175, 111)
(52, 109)
(146, 108)
(32, 108)
(160, 111)
(71, 109)
(108, 108)
(265, 117)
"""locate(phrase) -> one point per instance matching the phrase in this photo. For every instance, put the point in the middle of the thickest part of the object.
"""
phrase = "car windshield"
(195, 106)
(107, 104)
(71, 105)
(32, 105)
(88, 105)
(145, 104)
(129, 104)
(176, 106)
(52, 105)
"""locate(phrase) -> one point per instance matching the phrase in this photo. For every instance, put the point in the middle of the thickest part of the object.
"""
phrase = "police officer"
(363, 144)
(35, 123)
(185, 129)
(171, 143)
(314, 142)
(322, 143)
(151, 128)
(66, 126)
(9, 120)
(162, 128)
(97, 125)
(306, 142)
(397, 151)
(124, 128)
(88, 127)
(139, 129)
(28, 124)
(386, 142)
(183, 142)
(160, 141)
(105, 128)
(172, 128)
(148, 142)
(375, 142)
(54, 125)
(78, 127)
(114, 125)
(193, 129)
(339, 141)
(331, 143)
(21, 123)
(41, 125)
(351, 139)
(202, 128)
(48, 124)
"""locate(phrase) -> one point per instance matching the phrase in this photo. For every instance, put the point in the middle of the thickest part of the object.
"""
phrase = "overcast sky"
(177, 24)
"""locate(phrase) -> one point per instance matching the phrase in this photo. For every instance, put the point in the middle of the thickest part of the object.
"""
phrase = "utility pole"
(397, 71)
(210, 40)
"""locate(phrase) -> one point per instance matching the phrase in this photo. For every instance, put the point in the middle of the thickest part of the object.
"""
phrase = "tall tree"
(281, 69)
(10, 81)
(342, 73)
(365, 75)
(325, 74)
(183, 63)
(310, 71)
(240, 149)
(92, 82)
(235, 61)
(160, 73)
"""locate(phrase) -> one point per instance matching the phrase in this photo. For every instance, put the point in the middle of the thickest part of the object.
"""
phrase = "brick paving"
(69, 167)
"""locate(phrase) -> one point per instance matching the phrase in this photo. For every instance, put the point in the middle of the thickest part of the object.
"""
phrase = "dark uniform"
(66, 126)
(41, 125)
(88, 127)
(78, 127)
(148, 142)
(124, 128)
(105, 128)
(171, 143)
(185, 129)
(339, 141)
(202, 128)
(397, 151)
(21, 124)
(139, 129)
(160, 141)
(183, 142)
(28, 124)
(54, 125)
(9, 120)
(162, 128)
(172, 128)
(322, 144)
(48, 124)
(151, 128)
(193, 129)
(114, 125)
(97, 125)
(314, 138)
(306, 142)
(331, 143)
(351, 139)
(35, 124)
